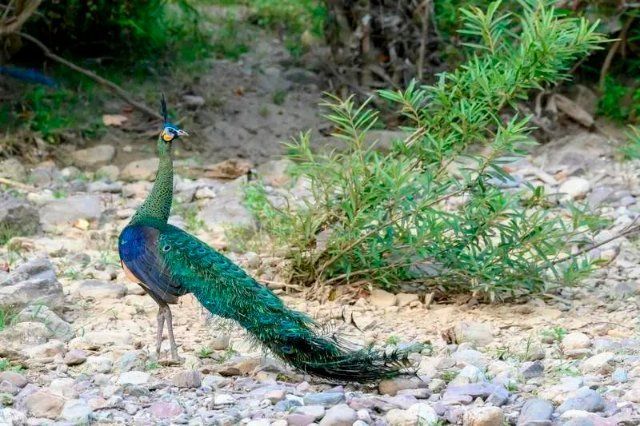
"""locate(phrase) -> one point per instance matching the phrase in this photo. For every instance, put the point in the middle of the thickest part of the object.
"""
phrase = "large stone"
(391, 387)
(584, 399)
(140, 170)
(187, 379)
(325, 399)
(134, 378)
(32, 283)
(40, 313)
(381, 298)
(95, 156)
(67, 211)
(574, 188)
(601, 363)
(100, 290)
(484, 416)
(476, 333)
(18, 217)
(417, 414)
(13, 169)
(98, 339)
(339, 415)
(576, 340)
(44, 404)
(14, 378)
(535, 412)
(76, 411)
(226, 210)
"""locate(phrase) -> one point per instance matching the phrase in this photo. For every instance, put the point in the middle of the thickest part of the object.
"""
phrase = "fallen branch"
(100, 80)
(22, 186)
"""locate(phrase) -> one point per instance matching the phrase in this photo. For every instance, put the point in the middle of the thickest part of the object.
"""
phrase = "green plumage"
(227, 291)
(169, 263)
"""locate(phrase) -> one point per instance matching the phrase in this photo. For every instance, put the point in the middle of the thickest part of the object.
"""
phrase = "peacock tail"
(191, 266)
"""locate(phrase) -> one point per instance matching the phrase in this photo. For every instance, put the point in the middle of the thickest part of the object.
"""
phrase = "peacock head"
(170, 132)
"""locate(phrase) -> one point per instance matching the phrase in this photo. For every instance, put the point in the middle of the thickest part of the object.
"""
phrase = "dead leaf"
(115, 120)
(82, 224)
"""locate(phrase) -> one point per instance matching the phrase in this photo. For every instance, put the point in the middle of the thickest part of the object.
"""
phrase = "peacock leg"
(172, 340)
(161, 318)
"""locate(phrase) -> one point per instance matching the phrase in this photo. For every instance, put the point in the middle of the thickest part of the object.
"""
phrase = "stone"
(95, 156)
(574, 188)
(391, 387)
(105, 187)
(10, 416)
(134, 378)
(275, 396)
(18, 217)
(584, 399)
(12, 168)
(165, 410)
(41, 313)
(98, 339)
(471, 357)
(620, 375)
(601, 363)
(576, 340)
(140, 170)
(484, 416)
(417, 414)
(339, 415)
(219, 342)
(45, 350)
(64, 387)
(23, 335)
(221, 399)
(476, 333)
(633, 394)
(14, 378)
(296, 419)
(100, 290)
(535, 412)
(193, 101)
(315, 412)
(226, 209)
(383, 140)
(32, 283)
(68, 211)
(8, 388)
(405, 299)
(76, 411)
(530, 370)
(44, 404)
(324, 398)
(187, 379)
(469, 374)
(382, 298)
(75, 357)
(109, 172)
(99, 364)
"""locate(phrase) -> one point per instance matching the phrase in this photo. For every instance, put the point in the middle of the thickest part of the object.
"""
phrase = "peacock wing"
(141, 252)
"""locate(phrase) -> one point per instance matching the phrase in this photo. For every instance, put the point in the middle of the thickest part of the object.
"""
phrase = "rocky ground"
(77, 339)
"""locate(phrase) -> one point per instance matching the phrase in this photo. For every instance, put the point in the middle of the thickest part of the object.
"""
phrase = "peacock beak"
(182, 133)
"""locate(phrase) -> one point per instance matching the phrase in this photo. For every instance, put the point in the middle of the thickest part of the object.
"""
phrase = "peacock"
(168, 263)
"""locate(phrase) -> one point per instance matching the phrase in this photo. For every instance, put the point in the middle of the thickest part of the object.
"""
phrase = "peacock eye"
(166, 248)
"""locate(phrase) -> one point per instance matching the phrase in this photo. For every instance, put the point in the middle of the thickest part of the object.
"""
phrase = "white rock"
(339, 415)
(601, 363)
(76, 411)
(576, 340)
(574, 188)
(381, 298)
(140, 170)
(134, 378)
(91, 157)
(484, 416)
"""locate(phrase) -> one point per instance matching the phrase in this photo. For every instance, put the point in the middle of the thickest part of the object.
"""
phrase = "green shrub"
(630, 150)
(432, 210)
(124, 30)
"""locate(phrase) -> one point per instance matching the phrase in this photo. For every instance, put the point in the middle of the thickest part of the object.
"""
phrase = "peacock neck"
(157, 206)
